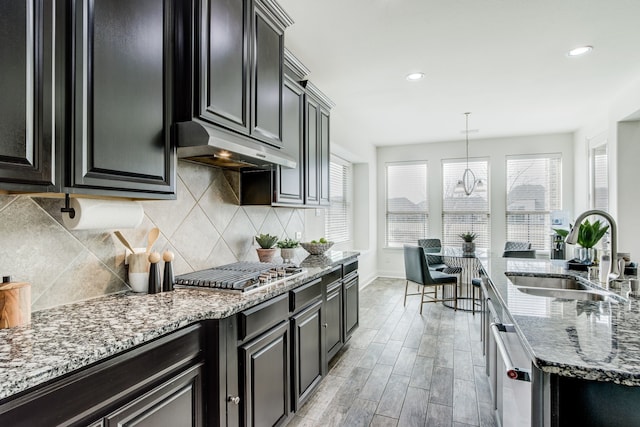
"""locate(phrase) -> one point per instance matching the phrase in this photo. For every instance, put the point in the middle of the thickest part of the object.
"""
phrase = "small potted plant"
(588, 236)
(468, 245)
(288, 249)
(266, 251)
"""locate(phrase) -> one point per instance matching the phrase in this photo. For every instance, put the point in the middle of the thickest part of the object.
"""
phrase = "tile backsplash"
(204, 227)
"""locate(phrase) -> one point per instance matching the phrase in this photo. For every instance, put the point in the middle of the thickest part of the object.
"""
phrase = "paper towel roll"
(103, 214)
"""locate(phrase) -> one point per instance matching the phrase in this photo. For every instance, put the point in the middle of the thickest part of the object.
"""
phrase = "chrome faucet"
(572, 238)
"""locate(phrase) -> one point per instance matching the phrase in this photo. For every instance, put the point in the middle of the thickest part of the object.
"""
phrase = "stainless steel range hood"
(201, 142)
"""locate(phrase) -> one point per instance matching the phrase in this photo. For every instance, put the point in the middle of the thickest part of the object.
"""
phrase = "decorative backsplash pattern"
(205, 227)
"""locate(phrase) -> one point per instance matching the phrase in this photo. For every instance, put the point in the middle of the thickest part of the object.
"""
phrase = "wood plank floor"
(401, 368)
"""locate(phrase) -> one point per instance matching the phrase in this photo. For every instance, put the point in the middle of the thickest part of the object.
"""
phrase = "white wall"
(619, 120)
(390, 259)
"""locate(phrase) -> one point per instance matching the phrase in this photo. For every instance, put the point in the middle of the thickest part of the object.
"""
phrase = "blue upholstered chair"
(436, 262)
(518, 250)
(417, 271)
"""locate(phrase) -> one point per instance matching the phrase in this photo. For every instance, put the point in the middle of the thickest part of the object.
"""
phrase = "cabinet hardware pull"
(325, 325)
(234, 399)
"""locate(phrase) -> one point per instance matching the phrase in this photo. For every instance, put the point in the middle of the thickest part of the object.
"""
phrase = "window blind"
(462, 213)
(599, 178)
(533, 190)
(406, 203)
(337, 218)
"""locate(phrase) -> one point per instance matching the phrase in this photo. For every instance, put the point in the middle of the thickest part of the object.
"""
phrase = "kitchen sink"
(559, 287)
(574, 294)
(547, 282)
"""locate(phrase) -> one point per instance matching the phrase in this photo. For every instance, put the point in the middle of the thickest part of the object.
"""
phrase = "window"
(337, 218)
(533, 190)
(406, 203)
(462, 213)
(599, 178)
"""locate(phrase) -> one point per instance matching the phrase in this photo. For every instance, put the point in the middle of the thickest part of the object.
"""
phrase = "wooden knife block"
(15, 304)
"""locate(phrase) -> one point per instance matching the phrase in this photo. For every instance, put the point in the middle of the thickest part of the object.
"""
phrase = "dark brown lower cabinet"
(178, 402)
(351, 294)
(265, 367)
(155, 384)
(307, 352)
(333, 315)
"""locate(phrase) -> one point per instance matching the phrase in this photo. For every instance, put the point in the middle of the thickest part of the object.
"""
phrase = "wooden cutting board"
(15, 304)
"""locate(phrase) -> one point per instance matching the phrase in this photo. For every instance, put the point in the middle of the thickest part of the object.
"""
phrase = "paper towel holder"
(67, 208)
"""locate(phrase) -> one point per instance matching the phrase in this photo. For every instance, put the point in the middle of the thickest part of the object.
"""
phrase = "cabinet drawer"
(301, 296)
(350, 267)
(332, 276)
(263, 316)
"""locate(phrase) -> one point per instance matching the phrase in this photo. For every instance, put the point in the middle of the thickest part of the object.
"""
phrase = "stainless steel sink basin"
(547, 282)
(573, 294)
(559, 287)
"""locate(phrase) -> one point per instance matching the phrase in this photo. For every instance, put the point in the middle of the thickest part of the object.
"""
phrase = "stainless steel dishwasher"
(512, 377)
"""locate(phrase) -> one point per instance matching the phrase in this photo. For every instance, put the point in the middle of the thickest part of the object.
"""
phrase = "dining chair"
(436, 262)
(513, 249)
(417, 271)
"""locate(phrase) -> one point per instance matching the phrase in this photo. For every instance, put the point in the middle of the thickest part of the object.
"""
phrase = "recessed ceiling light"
(415, 77)
(580, 50)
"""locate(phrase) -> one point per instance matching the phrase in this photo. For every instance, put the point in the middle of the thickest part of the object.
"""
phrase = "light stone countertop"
(69, 337)
(592, 340)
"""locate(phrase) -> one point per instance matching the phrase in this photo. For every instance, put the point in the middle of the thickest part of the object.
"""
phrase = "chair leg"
(473, 300)
(406, 289)
(422, 298)
(455, 296)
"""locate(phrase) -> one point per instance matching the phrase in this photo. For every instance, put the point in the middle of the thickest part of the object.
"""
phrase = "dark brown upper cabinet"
(121, 109)
(239, 53)
(317, 145)
(289, 182)
(29, 107)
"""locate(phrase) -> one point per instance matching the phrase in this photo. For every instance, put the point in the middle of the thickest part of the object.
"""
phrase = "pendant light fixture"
(468, 183)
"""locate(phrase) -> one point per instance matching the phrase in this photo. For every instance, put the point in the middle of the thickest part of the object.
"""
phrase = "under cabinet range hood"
(200, 142)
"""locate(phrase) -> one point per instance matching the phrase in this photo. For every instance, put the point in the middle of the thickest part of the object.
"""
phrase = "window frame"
(386, 202)
(544, 237)
(486, 181)
(348, 197)
(594, 144)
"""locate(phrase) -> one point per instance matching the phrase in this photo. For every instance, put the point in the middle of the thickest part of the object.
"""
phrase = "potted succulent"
(266, 251)
(288, 249)
(588, 236)
(468, 245)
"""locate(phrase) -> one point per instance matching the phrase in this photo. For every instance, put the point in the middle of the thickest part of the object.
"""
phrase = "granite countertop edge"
(560, 356)
(66, 338)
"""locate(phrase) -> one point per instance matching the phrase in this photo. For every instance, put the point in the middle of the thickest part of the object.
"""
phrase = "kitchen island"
(585, 353)
(65, 340)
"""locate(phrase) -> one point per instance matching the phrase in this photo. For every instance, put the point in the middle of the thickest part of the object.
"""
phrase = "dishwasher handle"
(512, 372)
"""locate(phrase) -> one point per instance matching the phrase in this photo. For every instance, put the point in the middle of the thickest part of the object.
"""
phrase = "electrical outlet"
(298, 235)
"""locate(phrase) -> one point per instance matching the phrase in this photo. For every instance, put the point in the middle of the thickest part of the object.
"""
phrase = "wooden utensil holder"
(15, 304)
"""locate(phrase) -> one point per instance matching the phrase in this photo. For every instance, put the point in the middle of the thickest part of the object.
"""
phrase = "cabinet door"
(351, 310)
(177, 402)
(27, 143)
(223, 56)
(333, 320)
(289, 186)
(266, 76)
(122, 113)
(324, 157)
(311, 151)
(265, 378)
(307, 352)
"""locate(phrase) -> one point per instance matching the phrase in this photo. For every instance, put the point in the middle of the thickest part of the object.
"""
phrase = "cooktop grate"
(239, 276)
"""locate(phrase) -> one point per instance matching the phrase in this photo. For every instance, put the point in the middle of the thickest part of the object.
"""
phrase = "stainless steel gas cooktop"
(240, 276)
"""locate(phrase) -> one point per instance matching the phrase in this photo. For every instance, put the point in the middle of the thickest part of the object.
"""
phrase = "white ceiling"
(503, 60)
